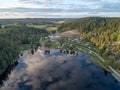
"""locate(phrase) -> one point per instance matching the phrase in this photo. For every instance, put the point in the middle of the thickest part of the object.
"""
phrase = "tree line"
(103, 33)
(15, 38)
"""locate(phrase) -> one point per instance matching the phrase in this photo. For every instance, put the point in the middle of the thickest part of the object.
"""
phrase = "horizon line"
(64, 17)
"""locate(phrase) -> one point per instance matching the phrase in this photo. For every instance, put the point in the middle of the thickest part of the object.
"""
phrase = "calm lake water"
(58, 71)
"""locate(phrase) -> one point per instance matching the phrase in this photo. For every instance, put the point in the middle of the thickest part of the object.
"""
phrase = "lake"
(58, 71)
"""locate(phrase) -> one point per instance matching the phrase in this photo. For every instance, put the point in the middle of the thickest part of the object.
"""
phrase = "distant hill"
(30, 20)
(91, 24)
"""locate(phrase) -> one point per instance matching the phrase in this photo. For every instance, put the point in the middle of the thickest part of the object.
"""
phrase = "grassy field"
(47, 27)
(59, 22)
(37, 26)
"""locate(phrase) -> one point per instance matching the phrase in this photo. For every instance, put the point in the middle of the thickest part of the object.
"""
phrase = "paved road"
(117, 75)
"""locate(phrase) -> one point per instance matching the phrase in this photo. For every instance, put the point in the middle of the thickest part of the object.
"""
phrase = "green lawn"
(37, 26)
(47, 27)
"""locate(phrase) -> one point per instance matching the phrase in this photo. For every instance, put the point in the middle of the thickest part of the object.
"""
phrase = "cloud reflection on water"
(57, 72)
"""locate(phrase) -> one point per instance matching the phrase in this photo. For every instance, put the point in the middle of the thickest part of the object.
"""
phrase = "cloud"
(12, 15)
(108, 7)
(57, 72)
(50, 7)
(20, 9)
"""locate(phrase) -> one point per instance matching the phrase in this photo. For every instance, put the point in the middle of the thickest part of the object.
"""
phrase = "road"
(115, 73)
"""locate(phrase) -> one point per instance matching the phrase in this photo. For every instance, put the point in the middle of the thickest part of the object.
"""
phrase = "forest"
(103, 33)
(15, 38)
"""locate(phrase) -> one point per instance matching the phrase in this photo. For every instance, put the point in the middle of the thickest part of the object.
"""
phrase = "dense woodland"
(103, 33)
(16, 38)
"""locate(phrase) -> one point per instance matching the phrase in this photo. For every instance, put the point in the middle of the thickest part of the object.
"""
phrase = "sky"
(59, 8)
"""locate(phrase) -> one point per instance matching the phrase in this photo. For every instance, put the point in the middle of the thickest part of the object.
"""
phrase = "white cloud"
(63, 8)
(12, 15)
